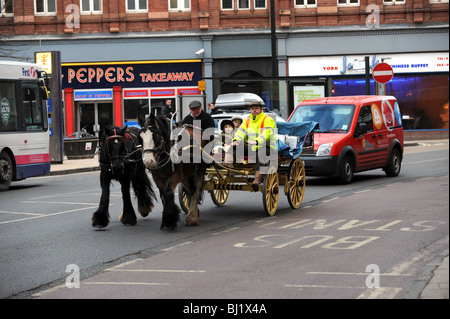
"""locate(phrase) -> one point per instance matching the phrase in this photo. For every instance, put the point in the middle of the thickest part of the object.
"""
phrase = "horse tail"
(143, 189)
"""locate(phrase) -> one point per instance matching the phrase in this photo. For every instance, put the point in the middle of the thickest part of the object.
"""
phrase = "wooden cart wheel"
(183, 198)
(296, 183)
(271, 192)
(218, 196)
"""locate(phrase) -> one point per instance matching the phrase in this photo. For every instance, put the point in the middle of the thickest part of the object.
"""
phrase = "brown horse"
(169, 169)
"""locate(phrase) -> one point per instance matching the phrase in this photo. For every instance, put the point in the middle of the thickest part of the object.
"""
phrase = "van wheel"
(394, 164)
(6, 171)
(346, 170)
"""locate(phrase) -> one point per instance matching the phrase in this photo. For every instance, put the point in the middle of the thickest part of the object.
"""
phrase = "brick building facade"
(114, 16)
(315, 39)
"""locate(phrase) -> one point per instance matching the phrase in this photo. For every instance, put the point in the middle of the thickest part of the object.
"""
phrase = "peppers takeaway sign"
(131, 74)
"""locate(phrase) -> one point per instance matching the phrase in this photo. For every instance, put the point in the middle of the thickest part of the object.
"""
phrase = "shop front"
(420, 82)
(97, 94)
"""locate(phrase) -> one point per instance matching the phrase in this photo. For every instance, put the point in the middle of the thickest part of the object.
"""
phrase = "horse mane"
(165, 126)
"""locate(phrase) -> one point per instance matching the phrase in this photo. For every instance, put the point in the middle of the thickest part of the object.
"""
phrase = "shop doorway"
(94, 116)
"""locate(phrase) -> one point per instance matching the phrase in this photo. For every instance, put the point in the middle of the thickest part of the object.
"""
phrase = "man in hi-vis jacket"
(258, 133)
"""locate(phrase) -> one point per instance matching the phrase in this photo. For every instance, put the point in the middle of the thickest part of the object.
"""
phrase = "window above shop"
(91, 6)
(305, 3)
(394, 2)
(179, 5)
(243, 4)
(45, 7)
(136, 6)
(6, 8)
(344, 3)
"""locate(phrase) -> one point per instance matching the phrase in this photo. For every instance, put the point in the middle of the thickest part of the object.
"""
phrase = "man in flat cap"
(199, 118)
(197, 114)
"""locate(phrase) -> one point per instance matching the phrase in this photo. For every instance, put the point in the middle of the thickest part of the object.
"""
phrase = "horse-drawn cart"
(293, 139)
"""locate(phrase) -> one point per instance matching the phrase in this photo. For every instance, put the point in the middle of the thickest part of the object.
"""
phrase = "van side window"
(365, 116)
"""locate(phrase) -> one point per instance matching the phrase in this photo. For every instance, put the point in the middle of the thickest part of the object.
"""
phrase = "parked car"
(230, 105)
(355, 134)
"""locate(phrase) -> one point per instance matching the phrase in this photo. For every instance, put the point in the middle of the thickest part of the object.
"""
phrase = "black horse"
(157, 143)
(121, 159)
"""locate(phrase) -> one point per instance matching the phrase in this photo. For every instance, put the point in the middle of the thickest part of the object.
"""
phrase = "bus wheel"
(5, 171)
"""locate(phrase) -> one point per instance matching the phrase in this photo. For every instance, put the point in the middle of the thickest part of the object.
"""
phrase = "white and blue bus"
(24, 136)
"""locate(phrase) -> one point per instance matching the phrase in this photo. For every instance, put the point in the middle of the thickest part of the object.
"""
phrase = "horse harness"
(159, 149)
(128, 141)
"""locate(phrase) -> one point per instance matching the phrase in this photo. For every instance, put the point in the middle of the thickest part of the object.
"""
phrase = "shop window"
(423, 99)
(179, 5)
(394, 2)
(305, 3)
(8, 107)
(134, 6)
(45, 7)
(438, 1)
(344, 3)
(134, 107)
(6, 8)
(157, 105)
(91, 7)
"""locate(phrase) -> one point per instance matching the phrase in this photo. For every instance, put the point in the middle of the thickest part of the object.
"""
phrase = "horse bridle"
(125, 158)
(160, 149)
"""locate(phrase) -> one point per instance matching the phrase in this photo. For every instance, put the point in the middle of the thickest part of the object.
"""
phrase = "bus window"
(8, 108)
(34, 115)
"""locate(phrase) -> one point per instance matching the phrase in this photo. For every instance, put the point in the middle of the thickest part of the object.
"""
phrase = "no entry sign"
(382, 73)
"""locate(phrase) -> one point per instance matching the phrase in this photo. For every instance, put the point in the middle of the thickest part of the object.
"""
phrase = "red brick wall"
(206, 15)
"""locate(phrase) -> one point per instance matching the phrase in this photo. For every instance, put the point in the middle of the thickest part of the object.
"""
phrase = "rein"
(160, 149)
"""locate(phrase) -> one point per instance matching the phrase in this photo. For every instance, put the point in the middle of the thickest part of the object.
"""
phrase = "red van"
(355, 133)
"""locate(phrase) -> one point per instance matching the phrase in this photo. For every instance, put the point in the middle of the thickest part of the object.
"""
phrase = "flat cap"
(195, 104)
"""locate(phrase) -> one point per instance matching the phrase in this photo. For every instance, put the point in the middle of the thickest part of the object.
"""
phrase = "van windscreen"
(331, 117)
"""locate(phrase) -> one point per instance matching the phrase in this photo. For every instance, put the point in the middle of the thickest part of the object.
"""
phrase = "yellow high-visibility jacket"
(262, 129)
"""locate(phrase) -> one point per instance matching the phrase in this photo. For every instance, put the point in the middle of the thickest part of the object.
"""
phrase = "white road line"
(125, 283)
(68, 203)
(19, 213)
(179, 245)
(431, 160)
(329, 200)
(380, 293)
(394, 274)
(47, 215)
(160, 270)
(322, 286)
(363, 191)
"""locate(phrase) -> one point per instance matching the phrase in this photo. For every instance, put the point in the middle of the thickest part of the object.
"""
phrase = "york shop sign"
(131, 74)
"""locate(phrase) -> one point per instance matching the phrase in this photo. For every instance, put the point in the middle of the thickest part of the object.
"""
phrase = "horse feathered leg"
(100, 218)
(171, 212)
(196, 181)
(128, 216)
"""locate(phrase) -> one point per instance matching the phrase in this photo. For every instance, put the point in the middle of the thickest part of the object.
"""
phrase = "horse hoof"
(191, 222)
(144, 211)
(128, 221)
(173, 227)
(99, 221)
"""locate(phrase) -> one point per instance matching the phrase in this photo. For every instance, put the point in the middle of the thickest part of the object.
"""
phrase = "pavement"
(435, 277)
